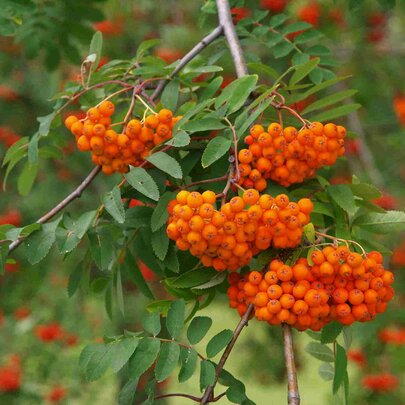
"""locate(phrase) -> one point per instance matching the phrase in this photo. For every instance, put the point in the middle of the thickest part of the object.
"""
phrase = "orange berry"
(83, 144)
(282, 200)
(388, 277)
(96, 143)
(99, 130)
(275, 129)
(93, 114)
(237, 204)
(69, 121)
(134, 128)
(260, 184)
(340, 295)
(356, 296)
(287, 301)
(245, 156)
(274, 306)
(196, 223)
(110, 136)
(300, 272)
(123, 140)
(151, 122)
(209, 197)
(317, 257)
(300, 307)
(165, 115)
(77, 128)
(107, 170)
(354, 259)
(284, 273)
(271, 277)
(251, 196)
(261, 299)
(343, 310)
(218, 219)
(306, 205)
(206, 210)
(194, 199)
(274, 291)
(106, 108)
(256, 130)
(326, 269)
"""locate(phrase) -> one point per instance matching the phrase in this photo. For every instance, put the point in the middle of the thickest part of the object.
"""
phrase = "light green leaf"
(303, 70)
(113, 204)
(96, 46)
(336, 112)
(204, 124)
(40, 242)
(180, 139)
(236, 93)
(26, 178)
(326, 371)
(343, 196)
(389, 222)
(329, 100)
(134, 273)
(215, 149)
(68, 238)
(191, 278)
(143, 182)
(320, 351)
(170, 95)
(365, 191)
(166, 163)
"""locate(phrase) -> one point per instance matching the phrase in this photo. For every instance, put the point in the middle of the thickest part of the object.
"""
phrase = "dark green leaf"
(198, 328)
(160, 243)
(133, 271)
(212, 88)
(180, 139)
(127, 393)
(143, 182)
(167, 360)
(191, 278)
(160, 213)
(282, 49)
(215, 149)
(95, 359)
(330, 332)
(175, 318)
(144, 356)
(207, 374)
(219, 342)
(340, 367)
(122, 351)
(166, 163)
(151, 323)
(188, 359)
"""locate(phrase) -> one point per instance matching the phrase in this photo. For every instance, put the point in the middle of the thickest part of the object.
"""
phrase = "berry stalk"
(293, 391)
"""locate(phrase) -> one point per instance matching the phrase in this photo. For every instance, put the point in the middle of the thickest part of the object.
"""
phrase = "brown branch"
(211, 37)
(293, 392)
(66, 201)
(196, 183)
(192, 397)
(182, 345)
(209, 392)
(225, 19)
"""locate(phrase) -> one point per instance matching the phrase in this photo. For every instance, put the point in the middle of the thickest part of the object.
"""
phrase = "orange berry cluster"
(340, 286)
(116, 151)
(228, 238)
(288, 156)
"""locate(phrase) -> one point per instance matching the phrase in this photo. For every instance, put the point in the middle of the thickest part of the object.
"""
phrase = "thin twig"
(66, 201)
(209, 392)
(235, 149)
(293, 392)
(196, 183)
(211, 37)
(192, 397)
(225, 19)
